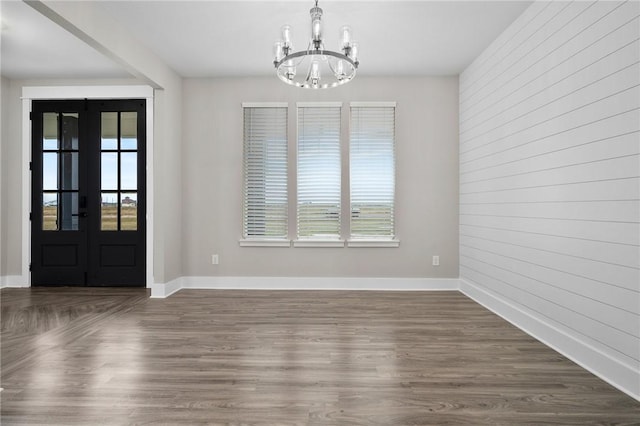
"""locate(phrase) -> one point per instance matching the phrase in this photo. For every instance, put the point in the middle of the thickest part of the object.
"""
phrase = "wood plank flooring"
(115, 357)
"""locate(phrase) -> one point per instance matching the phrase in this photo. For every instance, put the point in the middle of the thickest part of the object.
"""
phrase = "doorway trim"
(82, 92)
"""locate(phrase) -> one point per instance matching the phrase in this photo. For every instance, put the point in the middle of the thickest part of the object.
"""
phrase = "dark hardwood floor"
(113, 356)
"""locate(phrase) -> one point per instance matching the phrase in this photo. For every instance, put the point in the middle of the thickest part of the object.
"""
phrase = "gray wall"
(167, 174)
(550, 178)
(427, 180)
(167, 182)
(4, 121)
(11, 213)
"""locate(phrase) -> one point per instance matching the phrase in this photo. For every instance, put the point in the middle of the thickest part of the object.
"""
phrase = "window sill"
(265, 243)
(373, 243)
(318, 243)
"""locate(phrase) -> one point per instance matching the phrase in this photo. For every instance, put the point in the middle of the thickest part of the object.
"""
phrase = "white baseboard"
(624, 377)
(162, 290)
(13, 281)
(321, 283)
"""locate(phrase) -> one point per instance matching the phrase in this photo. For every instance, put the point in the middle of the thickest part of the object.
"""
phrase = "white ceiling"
(235, 38)
(32, 46)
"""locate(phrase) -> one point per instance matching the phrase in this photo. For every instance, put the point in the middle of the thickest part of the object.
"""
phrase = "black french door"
(88, 193)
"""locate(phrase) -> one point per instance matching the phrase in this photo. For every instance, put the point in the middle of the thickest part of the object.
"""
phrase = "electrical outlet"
(215, 259)
(436, 261)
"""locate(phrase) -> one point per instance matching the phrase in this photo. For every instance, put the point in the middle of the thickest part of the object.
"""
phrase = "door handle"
(83, 214)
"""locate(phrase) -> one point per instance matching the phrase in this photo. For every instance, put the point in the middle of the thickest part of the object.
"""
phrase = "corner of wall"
(623, 377)
(13, 281)
(164, 290)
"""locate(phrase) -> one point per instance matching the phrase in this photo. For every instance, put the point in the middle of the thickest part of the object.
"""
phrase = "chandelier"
(316, 67)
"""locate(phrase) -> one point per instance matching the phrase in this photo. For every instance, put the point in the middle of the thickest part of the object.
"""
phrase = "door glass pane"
(109, 171)
(50, 130)
(69, 211)
(129, 211)
(69, 170)
(49, 170)
(109, 211)
(129, 130)
(49, 211)
(129, 171)
(109, 130)
(70, 130)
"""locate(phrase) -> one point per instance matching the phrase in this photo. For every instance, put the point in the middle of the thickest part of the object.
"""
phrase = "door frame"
(83, 92)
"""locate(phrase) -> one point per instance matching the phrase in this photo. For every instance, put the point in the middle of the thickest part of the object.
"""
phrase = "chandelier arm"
(299, 62)
(308, 73)
(333, 70)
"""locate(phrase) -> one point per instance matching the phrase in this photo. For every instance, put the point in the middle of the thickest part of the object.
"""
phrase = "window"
(372, 171)
(319, 170)
(265, 173)
(316, 193)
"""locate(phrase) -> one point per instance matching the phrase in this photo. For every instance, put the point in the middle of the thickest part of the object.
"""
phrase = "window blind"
(265, 173)
(318, 206)
(372, 171)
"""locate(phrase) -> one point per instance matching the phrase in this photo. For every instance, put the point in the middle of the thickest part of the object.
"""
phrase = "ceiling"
(32, 46)
(235, 38)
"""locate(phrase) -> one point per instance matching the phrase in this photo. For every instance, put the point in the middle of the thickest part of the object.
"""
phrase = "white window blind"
(265, 173)
(319, 172)
(372, 171)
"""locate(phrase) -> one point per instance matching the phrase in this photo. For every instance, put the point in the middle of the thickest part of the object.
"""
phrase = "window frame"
(319, 241)
(247, 241)
(373, 241)
(344, 237)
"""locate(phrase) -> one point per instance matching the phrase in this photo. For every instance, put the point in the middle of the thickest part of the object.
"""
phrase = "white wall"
(427, 180)
(550, 181)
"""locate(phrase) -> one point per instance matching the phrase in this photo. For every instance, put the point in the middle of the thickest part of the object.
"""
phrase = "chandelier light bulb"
(290, 70)
(315, 73)
(354, 52)
(345, 37)
(316, 26)
(278, 52)
(286, 36)
(340, 69)
(319, 68)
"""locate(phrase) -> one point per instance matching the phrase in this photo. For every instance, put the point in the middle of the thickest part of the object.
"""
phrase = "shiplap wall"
(550, 181)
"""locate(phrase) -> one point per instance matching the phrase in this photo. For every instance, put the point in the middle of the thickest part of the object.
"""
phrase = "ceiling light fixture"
(324, 68)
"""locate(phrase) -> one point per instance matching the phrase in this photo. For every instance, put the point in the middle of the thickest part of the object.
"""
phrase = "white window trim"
(373, 243)
(318, 243)
(264, 243)
(265, 105)
(318, 104)
(373, 104)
